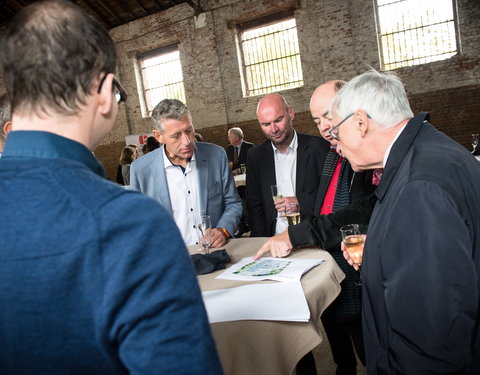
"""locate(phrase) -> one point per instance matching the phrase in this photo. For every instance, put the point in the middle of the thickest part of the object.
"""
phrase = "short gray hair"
(236, 131)
(381, 95)
(5, 110)
(169, 109)
(5, 116)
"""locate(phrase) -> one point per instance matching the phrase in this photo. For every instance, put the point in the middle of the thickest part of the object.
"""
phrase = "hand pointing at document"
(279, 246)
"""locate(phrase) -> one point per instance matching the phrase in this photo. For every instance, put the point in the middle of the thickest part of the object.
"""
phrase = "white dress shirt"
(286, 176)
(183, 191)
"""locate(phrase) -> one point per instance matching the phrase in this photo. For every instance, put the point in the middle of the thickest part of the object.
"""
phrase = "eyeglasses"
(121, 95)
(334, 131)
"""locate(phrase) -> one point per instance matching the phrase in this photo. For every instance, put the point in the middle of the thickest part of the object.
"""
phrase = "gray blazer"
(218, 196)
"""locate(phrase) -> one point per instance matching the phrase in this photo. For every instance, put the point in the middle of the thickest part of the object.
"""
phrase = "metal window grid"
(162, 78)
(271, 58)
(413, 32)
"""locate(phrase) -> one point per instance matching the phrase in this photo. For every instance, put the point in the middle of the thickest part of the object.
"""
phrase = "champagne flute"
(204, 231)
(276, 194)
(353, 240)
(474, 141)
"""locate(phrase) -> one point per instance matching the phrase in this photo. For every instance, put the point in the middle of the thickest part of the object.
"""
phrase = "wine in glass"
(293, 214)
(204, 231)
(276, 194)
(474, 142)
(354, 241)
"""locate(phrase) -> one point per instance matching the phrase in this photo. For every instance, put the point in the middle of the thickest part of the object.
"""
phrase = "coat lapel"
(202, 177)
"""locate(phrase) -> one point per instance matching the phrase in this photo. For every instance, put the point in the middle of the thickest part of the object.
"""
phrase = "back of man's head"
(51, 53)
(381, 95)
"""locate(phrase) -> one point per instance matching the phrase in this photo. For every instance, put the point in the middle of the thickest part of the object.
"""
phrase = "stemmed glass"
(474, 141)
(276, 194)
(293, 214)
(353, 240)
(204, 231)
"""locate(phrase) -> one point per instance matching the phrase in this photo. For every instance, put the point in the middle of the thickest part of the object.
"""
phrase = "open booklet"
(269, 269)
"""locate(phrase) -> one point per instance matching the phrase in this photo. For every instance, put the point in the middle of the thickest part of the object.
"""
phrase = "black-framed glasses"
(334, 131)
(121, 95)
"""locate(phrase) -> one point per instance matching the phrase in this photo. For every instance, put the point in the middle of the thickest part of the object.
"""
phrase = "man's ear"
(362, 121)
(291, 113)
(158, 135)
(7, 127)
(105, 96)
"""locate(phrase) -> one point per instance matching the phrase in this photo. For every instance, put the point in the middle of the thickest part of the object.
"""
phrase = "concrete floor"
(324, 360)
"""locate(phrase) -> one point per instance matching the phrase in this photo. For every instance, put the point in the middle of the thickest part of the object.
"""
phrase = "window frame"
(404, 63)
(174, 47)
(264, 21)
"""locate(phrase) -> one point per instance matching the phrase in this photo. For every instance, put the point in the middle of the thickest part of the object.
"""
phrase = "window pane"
(271, 58)
(162, 78)
(413, 32)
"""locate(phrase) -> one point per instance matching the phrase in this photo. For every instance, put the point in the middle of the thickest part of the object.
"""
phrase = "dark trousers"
(343, 337)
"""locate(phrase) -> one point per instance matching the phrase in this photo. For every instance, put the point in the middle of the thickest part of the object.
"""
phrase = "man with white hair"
(237, 149)
(421, 262)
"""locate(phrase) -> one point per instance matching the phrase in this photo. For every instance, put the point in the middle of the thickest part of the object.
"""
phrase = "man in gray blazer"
(189, 179)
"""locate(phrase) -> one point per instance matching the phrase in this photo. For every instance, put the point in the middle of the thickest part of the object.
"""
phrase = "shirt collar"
(291, 147)
(167, 163)
(45, 145)
(387, 153)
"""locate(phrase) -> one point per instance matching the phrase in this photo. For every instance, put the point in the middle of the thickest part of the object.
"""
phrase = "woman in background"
(128, 155)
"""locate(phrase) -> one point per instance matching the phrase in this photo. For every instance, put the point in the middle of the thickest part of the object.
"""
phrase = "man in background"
(237, 149)
(421, 261)
(188, 179)
(289, 160)
(85, 286)
(339, 188)
(5, 119)
(237, 152)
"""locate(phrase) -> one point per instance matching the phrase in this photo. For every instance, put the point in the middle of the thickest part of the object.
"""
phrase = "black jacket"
(311, 154)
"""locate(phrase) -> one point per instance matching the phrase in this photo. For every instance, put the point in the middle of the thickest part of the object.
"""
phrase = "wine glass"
(293, 214)
(276, 194)
(474, 141)
(353, 240)
(204, 231)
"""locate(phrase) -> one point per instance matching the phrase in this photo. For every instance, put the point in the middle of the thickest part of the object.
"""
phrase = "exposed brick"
(337, 40)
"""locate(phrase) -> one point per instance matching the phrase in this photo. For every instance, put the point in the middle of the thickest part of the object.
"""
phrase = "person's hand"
(218, 238)
(347, 256)
(283, 203)
(279, 246)
(237, 171)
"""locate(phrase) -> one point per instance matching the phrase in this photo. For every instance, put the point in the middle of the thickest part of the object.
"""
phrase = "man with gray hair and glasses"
(85, 286)
(189, 179)
(421, 262)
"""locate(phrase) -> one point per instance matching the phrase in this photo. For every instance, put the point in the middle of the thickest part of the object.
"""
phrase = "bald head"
(320, 102)
(275, 117)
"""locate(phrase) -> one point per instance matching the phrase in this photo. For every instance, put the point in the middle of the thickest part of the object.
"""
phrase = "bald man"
(344, 197)
(287, 159)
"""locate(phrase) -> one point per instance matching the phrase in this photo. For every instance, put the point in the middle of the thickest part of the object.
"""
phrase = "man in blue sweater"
(85, 287)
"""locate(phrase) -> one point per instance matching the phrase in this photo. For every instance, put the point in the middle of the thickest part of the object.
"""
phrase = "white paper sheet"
(273, 301)
(280, 269)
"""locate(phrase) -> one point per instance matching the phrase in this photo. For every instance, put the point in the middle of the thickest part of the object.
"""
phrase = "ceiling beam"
(100, 16)
(195, 4)
(140, 6)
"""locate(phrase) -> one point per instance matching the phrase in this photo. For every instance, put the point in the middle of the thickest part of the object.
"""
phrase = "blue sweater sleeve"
(152, 309)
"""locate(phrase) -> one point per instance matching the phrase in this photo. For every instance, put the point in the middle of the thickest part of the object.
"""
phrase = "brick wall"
(337, 41)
